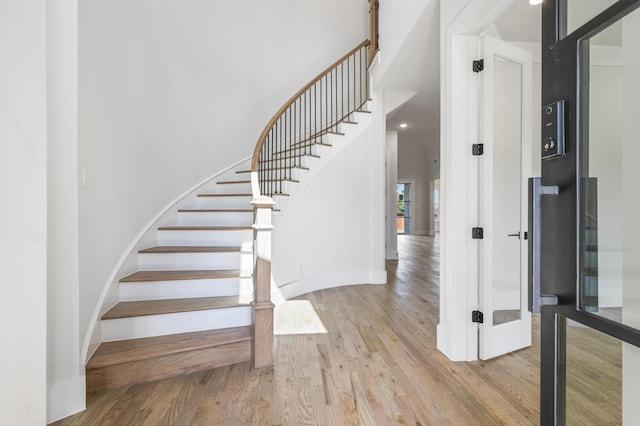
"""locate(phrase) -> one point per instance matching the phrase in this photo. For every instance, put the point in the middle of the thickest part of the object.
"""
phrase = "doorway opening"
(403, 211)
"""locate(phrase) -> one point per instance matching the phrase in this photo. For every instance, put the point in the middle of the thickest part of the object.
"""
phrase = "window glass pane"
(596, 367)
(579, 12)
(507, 191)
(610, 176)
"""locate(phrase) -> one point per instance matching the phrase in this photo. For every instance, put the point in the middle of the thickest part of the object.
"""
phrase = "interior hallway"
(377, 364)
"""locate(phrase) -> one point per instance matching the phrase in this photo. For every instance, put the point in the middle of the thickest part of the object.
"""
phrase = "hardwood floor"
(377, 364)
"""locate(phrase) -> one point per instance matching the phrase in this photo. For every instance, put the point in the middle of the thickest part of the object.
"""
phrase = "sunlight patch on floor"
(297, 317)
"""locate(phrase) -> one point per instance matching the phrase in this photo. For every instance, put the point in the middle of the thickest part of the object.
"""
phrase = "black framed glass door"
(585, 247)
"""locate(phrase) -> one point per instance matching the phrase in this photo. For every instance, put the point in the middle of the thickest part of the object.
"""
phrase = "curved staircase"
(187, 308)
(200, 297)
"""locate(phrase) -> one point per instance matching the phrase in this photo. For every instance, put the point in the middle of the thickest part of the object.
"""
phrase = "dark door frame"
(562, 72)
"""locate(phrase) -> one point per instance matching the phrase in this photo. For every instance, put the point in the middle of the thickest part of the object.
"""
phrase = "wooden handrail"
(292, 100)
(374, 6)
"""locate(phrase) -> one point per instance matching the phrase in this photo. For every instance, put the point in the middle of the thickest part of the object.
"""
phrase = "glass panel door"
(404, 207)
(589, 243)
(504, 167)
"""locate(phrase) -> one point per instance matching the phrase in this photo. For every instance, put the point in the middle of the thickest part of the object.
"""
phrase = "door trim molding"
(457, 336)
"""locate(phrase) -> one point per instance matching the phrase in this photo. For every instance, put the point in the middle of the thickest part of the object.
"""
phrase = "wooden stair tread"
(170, 306)
(301, 145)
(113, 353)
(215, 211)
(204, 228)
(225, 195)
(192, 249)
(231, 182)
(148, 276)
(288, 158)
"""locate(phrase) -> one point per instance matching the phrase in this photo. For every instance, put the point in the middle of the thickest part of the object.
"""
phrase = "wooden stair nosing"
(297, 147)
(232, 182)
(170, 306)
(280, 180)
(162, 367)
(205, 228)
(289, 158)
(215, 211)
(277, 168)
(334, 132)
(277, 194)
(121, 351)
(193, 249)
(150, 276)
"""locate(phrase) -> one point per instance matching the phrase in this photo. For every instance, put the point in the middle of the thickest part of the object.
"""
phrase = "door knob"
(514, 235)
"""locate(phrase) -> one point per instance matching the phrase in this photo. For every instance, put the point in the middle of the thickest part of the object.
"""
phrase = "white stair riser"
(303, 161)
(233, 188)
(240, 238)
(194, 261)
(281, 187)
(182, 322)
(224, 202)
(215, 218)
(294, 174)
(182, 289)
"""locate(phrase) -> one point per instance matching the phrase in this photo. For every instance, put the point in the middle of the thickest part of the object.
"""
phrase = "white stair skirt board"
(233, 188)
(194, 261)
(158, 290)
(181, 322)
(321, 282)
(238, 238)
(506, 295)
(243, 202)
(216, 218)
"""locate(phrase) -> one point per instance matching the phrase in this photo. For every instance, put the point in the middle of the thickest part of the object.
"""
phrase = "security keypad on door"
(553, 130)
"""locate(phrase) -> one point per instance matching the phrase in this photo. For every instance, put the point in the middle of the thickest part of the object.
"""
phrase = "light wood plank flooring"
(377, 364)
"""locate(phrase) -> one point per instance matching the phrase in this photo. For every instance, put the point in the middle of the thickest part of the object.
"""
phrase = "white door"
(505, 131)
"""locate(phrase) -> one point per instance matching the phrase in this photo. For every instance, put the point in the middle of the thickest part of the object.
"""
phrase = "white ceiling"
(416, 68)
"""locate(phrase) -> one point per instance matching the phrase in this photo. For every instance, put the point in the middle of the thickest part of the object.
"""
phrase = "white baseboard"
(392, 255)
(322, 282)
(66, 398)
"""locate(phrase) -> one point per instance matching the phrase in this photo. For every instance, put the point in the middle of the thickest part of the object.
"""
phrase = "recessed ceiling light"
(403, 125)
(535, 2)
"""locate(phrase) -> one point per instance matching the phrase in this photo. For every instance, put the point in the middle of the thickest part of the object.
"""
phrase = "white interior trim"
(457, 335)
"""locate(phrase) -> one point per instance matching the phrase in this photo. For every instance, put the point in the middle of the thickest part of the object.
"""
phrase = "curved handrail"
(327, 122)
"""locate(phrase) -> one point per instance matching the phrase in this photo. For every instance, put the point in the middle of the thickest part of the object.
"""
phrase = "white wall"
(391, 168)
(23, 228)
(65, 374)
(397, 19)
(420, 163)
(329, 231)
(172, 92)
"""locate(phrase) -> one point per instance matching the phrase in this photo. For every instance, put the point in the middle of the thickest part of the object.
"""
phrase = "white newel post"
(262, 305)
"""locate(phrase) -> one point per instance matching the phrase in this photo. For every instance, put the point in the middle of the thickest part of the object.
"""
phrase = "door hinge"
(478, 65)
(476, 316)
(477, 149)
(477, 233)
